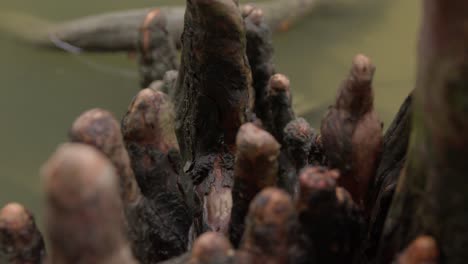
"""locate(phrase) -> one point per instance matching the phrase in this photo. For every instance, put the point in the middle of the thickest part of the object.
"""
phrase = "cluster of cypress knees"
(211, 165)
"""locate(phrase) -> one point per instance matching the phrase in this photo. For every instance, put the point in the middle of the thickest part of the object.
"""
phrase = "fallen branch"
(118, 31)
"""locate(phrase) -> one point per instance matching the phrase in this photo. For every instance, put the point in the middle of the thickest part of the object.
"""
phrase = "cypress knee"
(20, 240)
(260, 54)
(215, 89)
(298, 142)
(84, 220)
(280, 100)
(330, 222)
(100, 129)
(256, 168)
(163, 219)
(352, 132)
(270, 224)
(156, 48)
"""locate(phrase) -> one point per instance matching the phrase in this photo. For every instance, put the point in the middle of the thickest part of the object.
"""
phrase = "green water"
(41, 92)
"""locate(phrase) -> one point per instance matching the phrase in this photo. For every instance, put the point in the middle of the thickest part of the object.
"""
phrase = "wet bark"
(215, 91)
(431, 196)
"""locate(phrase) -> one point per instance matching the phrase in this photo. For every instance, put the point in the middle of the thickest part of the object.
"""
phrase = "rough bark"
(156, 49)
(84, 219)
(160, 222)
(431, 196)
(20, 240)
(268, 236)
(118, 31)
(298, 139)
(256, 167)
(352, 133)
(330, 222)
(215, 89)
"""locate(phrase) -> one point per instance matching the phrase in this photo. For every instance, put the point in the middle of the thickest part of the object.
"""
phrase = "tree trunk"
(432, 194)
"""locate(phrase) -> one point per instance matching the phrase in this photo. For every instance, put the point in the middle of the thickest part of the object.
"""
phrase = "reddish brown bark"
(352, 133)
(330, 222)
(270, 223)
(84, 219)
(20, 240)
(215, 91)
(100, 129)
(256, 167)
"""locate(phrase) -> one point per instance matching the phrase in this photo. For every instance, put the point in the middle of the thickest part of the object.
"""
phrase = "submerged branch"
(118, 31)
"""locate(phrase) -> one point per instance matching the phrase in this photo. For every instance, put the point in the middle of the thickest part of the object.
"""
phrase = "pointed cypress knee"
(268, 236)
(215, 91)
(260, 54)
(162, 220)
(167, 85)
(20, 240)
(280, 100)
(256, 168)
(211, 248)
(352, 132)
(156, 49)
(423, 250)
(330, 222)
(100, 129)
(84, 216)
(298, 141)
